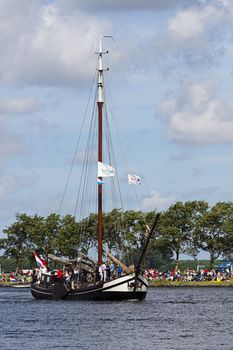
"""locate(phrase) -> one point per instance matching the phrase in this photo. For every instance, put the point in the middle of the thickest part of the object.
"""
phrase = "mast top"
(100, 43)
(100, 66)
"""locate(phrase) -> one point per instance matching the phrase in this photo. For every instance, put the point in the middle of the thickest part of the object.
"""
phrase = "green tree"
(67, 240)
(88, 233)
(196, 210)
(133, 234)
(177, 227)
(17, 244)
(228, 229)
(214, 229)
(43, 232)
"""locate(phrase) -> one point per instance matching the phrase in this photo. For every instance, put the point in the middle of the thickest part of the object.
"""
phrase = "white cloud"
(192, 23)
(53, 44)
(198, 117)
(198, 34)
(156, 201)
(18, 105)
(40, 45)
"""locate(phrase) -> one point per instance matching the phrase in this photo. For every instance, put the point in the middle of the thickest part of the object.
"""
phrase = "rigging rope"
(76, 147)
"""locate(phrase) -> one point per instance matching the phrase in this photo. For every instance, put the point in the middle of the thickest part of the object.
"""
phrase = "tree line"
(185, 227)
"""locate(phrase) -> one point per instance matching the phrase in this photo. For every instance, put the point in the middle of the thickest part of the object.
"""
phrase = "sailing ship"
(130, 284)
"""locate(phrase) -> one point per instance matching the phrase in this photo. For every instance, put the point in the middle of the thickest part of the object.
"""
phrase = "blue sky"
(171, 81)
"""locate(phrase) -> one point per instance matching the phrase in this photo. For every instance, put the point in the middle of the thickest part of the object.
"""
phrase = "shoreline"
(155, 284)
(16, 285)
(182, 284)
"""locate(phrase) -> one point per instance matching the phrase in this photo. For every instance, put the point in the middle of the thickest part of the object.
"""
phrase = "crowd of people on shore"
(189, 275)
(21, 277)
(108, 272)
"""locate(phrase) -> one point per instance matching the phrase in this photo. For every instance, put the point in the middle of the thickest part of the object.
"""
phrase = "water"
(170, 318)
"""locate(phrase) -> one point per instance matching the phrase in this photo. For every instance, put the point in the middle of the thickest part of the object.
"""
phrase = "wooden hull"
(122, 288)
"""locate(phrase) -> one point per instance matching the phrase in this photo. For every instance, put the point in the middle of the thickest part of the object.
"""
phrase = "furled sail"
(126, 269)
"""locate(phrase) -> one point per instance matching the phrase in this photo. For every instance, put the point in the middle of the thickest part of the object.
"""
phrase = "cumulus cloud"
(40, 45)
(156, 201)
(199, 34)
(197, 116)
(52, 43)
(192, 23)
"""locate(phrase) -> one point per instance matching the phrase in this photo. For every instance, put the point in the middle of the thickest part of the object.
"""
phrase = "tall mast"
(100, 148)
(100, 103)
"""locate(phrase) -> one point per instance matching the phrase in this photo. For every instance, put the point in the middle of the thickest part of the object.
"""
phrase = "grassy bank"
(164, 283)
(9, 284)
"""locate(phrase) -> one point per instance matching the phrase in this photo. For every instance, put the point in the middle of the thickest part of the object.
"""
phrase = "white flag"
(134, 179)
(105, 170)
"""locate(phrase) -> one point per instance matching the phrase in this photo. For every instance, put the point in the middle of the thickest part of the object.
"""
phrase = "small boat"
(88, 283)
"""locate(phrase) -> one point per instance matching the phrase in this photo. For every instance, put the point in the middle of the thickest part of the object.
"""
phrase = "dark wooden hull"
(119, 289)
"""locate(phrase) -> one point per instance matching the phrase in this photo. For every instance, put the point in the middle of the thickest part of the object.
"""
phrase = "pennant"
(40, 262)
(105, 170)
(134, 179)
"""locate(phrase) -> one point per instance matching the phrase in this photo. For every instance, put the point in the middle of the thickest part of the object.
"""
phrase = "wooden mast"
(100, 187)
(100, 149)
(100, 103)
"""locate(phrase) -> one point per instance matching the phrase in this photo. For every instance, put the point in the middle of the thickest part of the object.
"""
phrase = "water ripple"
(169, 319)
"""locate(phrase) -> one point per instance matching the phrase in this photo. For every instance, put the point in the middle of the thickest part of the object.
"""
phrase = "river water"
(169, 318)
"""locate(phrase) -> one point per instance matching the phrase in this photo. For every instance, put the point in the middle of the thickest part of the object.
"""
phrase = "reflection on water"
(170, 318)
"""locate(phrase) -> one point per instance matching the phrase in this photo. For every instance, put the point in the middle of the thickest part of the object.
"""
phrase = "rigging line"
(91, 174)
(85, 164)
(82, 184)
(85, 205)
(116, 120)
(77, 144)
(124, 154)
(107, 135)
(86, 176)
(120, 141)
(112, 158)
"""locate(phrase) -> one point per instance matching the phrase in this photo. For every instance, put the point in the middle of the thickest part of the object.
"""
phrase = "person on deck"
(101, 273)
(67, 278)
(119, 271)
(97, 277)
(103, 267)
(76, 275)
(107, 272)
(59, 274)
(112, 270)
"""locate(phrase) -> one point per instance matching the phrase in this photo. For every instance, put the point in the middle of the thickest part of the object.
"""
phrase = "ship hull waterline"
(122, 288)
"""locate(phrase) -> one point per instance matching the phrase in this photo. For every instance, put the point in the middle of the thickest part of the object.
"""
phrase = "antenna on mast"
(100, 42)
